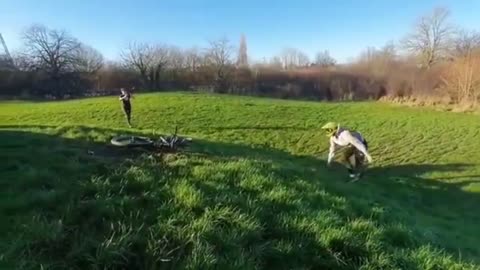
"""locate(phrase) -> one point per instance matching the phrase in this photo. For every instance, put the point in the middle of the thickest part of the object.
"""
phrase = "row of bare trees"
(56, 62)
(52, 62)
(434, 59)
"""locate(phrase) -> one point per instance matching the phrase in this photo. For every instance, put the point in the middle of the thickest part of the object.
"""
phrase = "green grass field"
(252, 192)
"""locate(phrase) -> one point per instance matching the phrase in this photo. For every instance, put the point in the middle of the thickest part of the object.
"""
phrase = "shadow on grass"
(217, 205)
(435, 207)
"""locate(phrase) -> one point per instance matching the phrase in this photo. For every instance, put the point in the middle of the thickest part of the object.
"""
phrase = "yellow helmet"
(331, 128)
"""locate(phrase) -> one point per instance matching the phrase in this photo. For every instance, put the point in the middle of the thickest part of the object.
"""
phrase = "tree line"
(435, 62)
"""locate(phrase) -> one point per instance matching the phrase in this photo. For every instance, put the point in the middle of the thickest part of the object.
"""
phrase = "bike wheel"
(126, 140)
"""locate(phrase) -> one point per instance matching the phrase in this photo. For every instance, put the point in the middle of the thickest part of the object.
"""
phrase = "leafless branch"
(466, 42)
(88, 59)
(323, 59)
(430, 38)
(52, 50)
(293, 58)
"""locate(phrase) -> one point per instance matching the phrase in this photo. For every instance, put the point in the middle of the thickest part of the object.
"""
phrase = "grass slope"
(252, 192)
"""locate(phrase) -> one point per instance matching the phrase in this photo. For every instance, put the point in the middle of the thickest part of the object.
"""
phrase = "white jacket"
(344, 137)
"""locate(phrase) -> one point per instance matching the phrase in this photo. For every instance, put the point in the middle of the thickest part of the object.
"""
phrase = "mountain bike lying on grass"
(171, 143)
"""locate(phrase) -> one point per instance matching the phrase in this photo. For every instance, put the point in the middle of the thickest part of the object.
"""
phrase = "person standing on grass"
(127, 106)
(351, 145)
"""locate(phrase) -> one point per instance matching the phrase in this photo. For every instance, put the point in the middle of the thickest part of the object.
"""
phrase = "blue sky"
(343, 27)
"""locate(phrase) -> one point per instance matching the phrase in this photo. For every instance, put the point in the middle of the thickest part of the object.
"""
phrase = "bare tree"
(466, 42)
(293, 58)
(53, 51)
(389, 51)
(385, 55)
(368, 55)
(276, 62)
(378, 62)
(176, 61)
(160, 63)
(22, 62)
(148, 60)
(88, 60)
(242, 53)
(430, 39)
(139, 57)
(462, 79)
(219, 56)
(323, 59)
(193, 59)
(61, 58)
(302, 59)
(220, 52)
(176, 58)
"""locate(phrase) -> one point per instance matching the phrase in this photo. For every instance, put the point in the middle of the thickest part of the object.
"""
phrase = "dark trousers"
(352, 158)
(127, 109)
